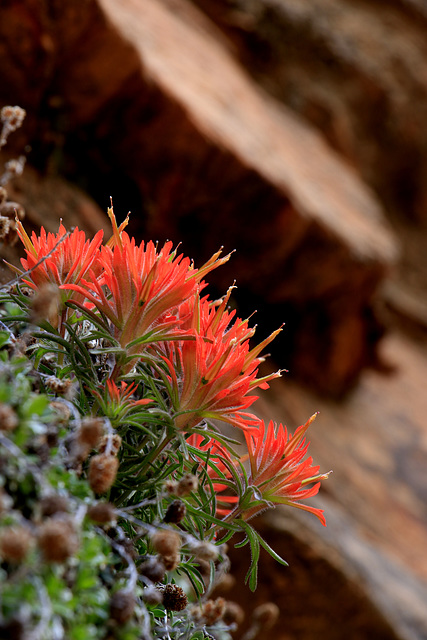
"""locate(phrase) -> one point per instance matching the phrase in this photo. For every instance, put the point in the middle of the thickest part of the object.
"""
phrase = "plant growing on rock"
(119, 491)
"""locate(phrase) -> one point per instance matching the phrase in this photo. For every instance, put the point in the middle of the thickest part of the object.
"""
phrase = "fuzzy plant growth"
(119, 491)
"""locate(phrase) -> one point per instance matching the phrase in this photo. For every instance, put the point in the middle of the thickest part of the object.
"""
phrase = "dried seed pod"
(122, 606)
(170, 486)
(213, 610)
(102, 472)
(205, 551)
(175, 512)
(266, 614)
(90, 432)
(8, 418)
(57, 540)
(4, 227)
(171, 562)
(233, 613)
(52, 504)
(57, 385)
(62, 411)
(110, 444)
(174, 598)
(151, 595)
(15, 543)
(3, 195)
(153, 569)
(166, 542)
(101, 512)
(186, 485)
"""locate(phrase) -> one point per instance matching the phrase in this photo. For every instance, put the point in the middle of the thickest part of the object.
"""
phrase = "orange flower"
(213, 375)
(280, 473)
(141, 288)
(68, 263)
(117, 402)
(279, 467)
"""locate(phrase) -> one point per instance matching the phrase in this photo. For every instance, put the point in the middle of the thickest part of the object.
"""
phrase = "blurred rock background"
(294, 132)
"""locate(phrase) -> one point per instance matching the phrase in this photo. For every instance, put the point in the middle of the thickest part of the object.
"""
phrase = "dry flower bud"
(122, 606)
(153, 569)
(15, 542)
(57, 385)
(102, 472)
(110, 443)
(170, 486)
(61, 410)
(233, 613)
(187, 484)
(3, 195)
(213, 610)
(4, 227)
(175, 512)
(166, 542)
(171, 562)
(90, 432)
(101, 512)
(45, 306)
(205, 551)
(52, 504)
(8, 418)
(151, 595)
(174, 598)
(57, 540)
(13, 117)
(266, 614)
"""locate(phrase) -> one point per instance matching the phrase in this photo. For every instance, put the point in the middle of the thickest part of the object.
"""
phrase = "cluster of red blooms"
(151, 300)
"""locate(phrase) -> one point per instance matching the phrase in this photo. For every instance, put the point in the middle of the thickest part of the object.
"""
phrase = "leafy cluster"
(120, 489)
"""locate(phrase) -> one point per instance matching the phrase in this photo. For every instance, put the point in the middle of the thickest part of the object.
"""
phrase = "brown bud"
(101, 512)
(233, 613)
(3, 195)
(151, 595)
(57, 540)
(153, 569)
(166, 542)
(186, 485)
(110, 444)
(266, 614)
(57, 385)
(213, 610)
(53, 503)
(205, 551)
(171, 562)
(175, 512)
(170, 486)
(174, 598)
(62, 411)
(102, 472)
(15, 542)
(90, 432)
(4, 227)
(8, 418)
(122, 606)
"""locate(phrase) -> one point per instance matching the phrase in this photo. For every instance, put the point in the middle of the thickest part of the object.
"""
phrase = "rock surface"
(150, 92)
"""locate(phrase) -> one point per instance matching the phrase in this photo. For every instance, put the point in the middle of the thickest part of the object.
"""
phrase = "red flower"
(279, 467)
(68, 263)
(141, 288)
(213, 375)
(280, 473)
(117, 402)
